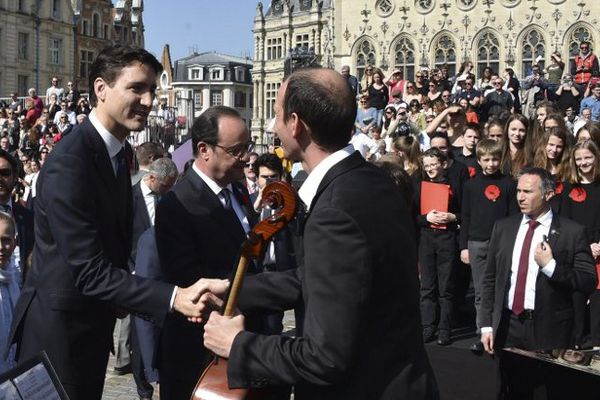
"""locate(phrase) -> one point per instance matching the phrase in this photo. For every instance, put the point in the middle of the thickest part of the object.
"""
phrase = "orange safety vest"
(587, 63)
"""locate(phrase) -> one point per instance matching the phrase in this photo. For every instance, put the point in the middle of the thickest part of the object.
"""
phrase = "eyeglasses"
(249, 165)
(389, 112)
(584, 47)
(419, 76)
(237, 151)
(414, 105)
(44, 152)
(469, 83)
(410, 87)
(6, 172)
(403, 113)
(445, 96)
(497, 83)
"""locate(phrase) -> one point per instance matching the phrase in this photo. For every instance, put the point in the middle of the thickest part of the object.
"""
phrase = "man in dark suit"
(536, 261)
(362, 329)
(200, 225)
(79, 275)
(9, 176)
(159, 177)
(145, 154)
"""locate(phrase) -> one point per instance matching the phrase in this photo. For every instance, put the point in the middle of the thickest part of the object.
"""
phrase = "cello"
(280, 197)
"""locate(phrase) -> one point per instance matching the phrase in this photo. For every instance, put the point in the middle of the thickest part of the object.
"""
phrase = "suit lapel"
(140, 204)
(509, 247)
(554, 233)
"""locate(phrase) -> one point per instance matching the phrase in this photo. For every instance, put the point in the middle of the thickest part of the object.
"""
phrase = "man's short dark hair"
(14, 165)
(270, 161)
(206, 126)
(111, 60)
(328, 111)
(547, 182)
(147, 152)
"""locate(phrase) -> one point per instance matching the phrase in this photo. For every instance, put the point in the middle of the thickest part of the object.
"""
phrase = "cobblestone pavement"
(123, 387)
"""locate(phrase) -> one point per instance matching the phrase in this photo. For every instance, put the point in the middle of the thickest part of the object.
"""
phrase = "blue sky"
(224, 26)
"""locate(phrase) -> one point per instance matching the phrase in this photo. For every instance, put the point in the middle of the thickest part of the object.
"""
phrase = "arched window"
(365, 55)
(95, 25)
(404, 59)
(534, 50)
(445, 53)
(578, 35)
(488, 53)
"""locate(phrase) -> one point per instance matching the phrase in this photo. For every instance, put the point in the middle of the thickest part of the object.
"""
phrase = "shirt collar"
(544, 219)
(214, 186)
(145, 189)
(113, 145)
(309, 188)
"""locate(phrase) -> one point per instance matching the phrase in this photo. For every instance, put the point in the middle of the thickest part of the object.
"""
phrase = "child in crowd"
(10, 288)
(466, 153)
(552, 154)
(456, 173)
(437, 248)
(582, 205)
(487, 197)
(516, 153)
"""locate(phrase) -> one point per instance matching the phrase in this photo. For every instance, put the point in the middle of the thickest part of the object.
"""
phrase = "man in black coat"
(536, 261)
(362, 329)
(79, 277)
(200, 226)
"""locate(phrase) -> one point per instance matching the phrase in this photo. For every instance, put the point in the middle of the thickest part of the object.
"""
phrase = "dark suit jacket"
(362, 330)
(141, 220)
(79, 271)
(196, 238)
(24, 221)
(575, 271)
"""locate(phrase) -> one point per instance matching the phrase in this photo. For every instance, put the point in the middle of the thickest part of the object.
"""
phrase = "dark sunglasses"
(249, 165)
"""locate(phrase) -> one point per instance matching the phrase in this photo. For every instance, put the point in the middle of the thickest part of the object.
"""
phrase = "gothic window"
(488, 53)
(365, 55)
(445, 53)
(534, 49)
(405, 57)
(384, 7)
(578, 35)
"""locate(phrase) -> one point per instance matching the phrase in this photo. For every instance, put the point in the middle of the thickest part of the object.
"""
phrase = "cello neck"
(236, 286)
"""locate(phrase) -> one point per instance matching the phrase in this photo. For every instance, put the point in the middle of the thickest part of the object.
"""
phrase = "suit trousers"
(437, 255)
(478, 258)
(123, 349)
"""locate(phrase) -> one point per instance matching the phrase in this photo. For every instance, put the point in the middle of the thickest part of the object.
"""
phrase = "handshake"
(196, 302)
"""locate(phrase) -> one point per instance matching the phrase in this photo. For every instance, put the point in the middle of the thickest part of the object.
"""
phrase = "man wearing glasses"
(200, 225)
(584, 66)
(498, 100)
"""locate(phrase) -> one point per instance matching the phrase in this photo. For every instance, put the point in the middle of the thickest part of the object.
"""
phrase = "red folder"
(434, 196)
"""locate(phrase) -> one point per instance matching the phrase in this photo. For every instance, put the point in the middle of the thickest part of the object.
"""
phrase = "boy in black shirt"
(487, 197)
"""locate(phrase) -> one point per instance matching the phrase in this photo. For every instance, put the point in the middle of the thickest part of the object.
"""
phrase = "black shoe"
(443, 337)
(124, 370)
(428, 334)
(477, 347)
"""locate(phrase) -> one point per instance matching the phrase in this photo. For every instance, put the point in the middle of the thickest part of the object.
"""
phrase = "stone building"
(207, 79)
(36, 43)
(411, 34)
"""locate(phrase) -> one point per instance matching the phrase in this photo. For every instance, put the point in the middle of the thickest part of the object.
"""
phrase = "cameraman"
(567, 95)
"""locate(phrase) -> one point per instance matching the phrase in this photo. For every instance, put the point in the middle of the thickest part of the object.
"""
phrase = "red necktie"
(519, 299)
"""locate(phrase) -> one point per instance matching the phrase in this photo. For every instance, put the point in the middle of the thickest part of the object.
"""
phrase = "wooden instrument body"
(213, 384)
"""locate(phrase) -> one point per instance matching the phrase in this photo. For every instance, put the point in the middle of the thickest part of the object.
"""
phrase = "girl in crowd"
(552, 154)
(411, 93)
(378, 95)
(590, 131)
(494, 129)
(389, 121)
(407, 147)
(516, 152)
(469, 111)
(582, 204)
(433, 94)
(485, 82)
(415, 115)
(511, 83)
(11, 280)
(367, 79)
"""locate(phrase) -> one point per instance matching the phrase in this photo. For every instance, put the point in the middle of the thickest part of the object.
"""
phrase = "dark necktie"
(6, 208)
(121, 164)
(519, 299)
(227, 197)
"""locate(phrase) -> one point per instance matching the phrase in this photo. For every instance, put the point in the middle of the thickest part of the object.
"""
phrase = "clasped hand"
(543, 254)
(197, 301)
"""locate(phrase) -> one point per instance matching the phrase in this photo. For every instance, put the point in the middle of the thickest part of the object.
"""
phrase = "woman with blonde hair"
(407, 147)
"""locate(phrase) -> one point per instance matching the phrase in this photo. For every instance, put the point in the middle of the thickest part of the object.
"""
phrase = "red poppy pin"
(492, 192)
(578, 194)
(472, 172)
(559, 187)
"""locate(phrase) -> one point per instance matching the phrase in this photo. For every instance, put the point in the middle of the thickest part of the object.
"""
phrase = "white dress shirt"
(214, 186)
(149, 199)
(113, 145)
(309, 189)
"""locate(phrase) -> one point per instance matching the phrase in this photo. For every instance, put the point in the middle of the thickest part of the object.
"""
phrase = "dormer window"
(240, 74)
(195, 74)
(217, 74)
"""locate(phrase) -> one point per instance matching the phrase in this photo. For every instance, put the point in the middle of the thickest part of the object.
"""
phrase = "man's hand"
(464, 256)
(188, 300)
(487, 339)
(219, 333)
(543, 254)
